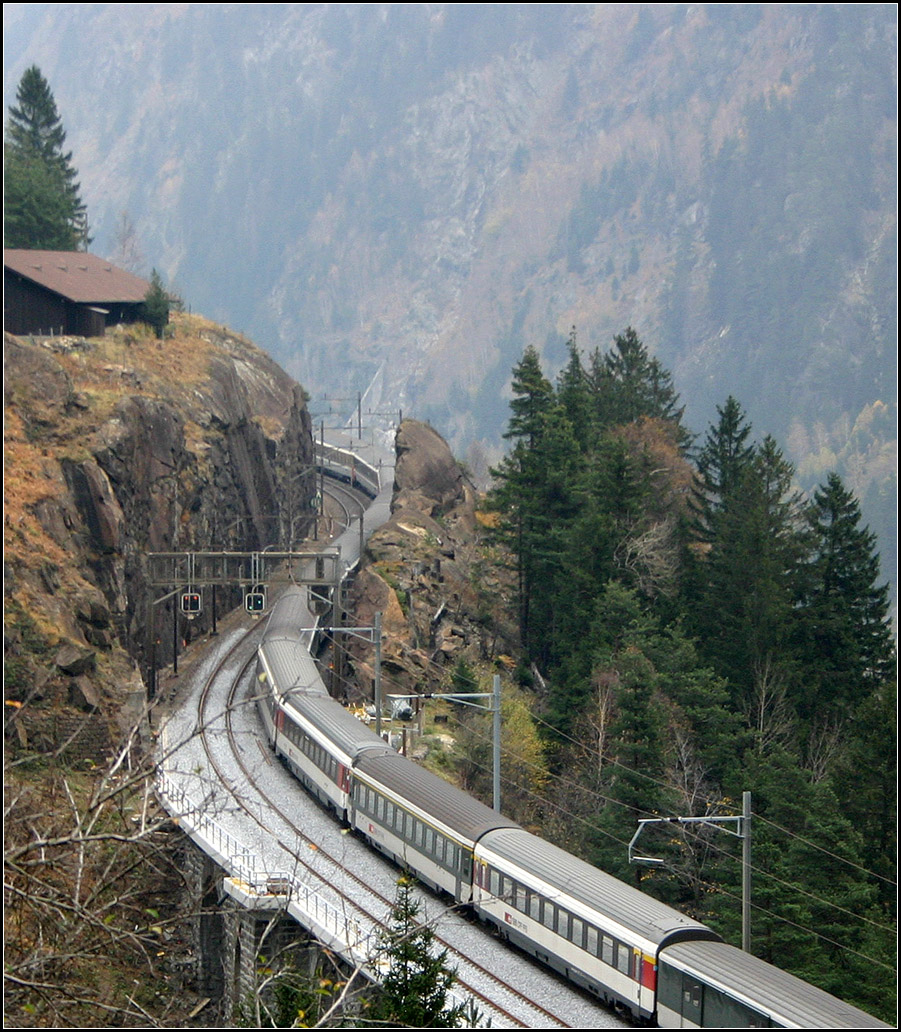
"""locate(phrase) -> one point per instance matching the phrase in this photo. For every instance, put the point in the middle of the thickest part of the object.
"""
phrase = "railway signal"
(255, 601)
(191, 604)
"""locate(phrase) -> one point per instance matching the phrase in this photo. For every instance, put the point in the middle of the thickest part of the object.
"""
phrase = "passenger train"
(620, 944)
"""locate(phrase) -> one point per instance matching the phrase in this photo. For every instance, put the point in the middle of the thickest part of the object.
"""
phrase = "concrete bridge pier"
(241, 943)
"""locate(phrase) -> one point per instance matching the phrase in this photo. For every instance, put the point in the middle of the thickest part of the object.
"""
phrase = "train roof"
(788, 1000)
(377, 513)
(292, 667)
(285, 646)
(455, 809)
(335, 724)
(552, 871)
(289, 616)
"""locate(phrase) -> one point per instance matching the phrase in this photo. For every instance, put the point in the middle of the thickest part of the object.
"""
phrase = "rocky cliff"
(425, 571)
(114, 448)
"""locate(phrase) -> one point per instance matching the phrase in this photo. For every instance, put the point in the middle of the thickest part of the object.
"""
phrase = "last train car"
(714, 985)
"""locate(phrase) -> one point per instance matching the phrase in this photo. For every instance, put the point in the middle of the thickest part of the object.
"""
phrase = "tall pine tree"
(42, 205)
(519, 479)
(629, 384)
(848, 638)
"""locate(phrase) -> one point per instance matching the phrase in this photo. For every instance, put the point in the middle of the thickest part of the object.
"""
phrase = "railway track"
(224, 755)
(504, 1005)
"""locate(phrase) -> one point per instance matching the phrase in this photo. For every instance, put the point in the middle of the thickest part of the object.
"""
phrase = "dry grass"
(30, 477)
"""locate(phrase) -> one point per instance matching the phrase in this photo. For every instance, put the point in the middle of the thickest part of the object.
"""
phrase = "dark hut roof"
(77, 275)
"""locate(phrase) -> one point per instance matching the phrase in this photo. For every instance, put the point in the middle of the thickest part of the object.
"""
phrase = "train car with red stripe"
(596, 930)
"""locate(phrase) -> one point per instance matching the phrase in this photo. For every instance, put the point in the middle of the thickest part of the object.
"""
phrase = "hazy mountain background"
(402, 196)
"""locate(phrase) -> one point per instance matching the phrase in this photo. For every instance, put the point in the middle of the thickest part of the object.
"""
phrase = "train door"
(692, 1001)
(344, 788)
(645, 974)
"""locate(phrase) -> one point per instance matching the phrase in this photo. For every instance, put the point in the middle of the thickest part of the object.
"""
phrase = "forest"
(693, 627)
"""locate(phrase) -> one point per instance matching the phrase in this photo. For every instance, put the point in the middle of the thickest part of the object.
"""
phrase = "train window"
(607, 952)
(519, 897)
(592, 943)
(534, 907)
(494, 883)
(623, 958)
(563, 923)
(548, 915)
(578, 934)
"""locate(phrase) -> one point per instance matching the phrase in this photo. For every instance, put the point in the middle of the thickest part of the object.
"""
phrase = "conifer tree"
(156, 305)
(748, 584)
(520, 477)
(415, 992)
(532, 394)
(574, 395)
(628, 384)
(42, 205)
(849, 645)
(722, 462)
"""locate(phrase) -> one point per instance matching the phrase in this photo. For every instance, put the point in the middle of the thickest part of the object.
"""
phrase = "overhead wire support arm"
(494, 707)
(743, 832)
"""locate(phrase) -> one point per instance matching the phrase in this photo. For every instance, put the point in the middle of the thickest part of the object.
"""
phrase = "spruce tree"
(156, 305)
(848, 637)
(722, 462)
(532, 394)
(415, 992)
(574, 395)
(749, 581)
(519, 479)
(629, 384)
(42, 206)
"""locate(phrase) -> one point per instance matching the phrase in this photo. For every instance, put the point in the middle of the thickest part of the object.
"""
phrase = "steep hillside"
(113, 448)
(399, 197)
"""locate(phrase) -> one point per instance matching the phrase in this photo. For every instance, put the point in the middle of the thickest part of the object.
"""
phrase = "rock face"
(424, 572)
(120, 447)
(426, 476)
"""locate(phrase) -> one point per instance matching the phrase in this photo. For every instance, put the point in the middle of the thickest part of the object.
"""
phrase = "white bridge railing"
(278, 888)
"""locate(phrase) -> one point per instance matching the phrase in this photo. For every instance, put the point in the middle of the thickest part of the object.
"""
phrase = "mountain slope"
(400, 197)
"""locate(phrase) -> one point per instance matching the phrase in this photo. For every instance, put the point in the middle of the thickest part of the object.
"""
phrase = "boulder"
(75, 661)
